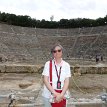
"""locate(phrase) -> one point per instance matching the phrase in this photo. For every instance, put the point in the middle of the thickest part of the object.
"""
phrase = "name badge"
(58, 84)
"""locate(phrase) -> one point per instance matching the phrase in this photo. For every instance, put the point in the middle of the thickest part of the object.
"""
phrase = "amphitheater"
(23, 52)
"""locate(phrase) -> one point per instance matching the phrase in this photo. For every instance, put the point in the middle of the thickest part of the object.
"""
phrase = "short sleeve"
(46, 69)
(68, 73)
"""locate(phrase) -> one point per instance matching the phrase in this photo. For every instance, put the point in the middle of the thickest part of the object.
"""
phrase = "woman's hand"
(59, 97)
(55, 94)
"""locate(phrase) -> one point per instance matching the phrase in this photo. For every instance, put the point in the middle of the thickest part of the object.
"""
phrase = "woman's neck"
(58, 60)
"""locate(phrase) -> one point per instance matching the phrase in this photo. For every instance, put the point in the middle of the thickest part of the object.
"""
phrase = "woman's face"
(57, 53)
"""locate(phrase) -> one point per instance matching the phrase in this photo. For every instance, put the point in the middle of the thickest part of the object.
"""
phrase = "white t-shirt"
(65, 72)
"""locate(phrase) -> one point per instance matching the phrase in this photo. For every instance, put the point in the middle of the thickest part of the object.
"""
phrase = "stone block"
(21, 68)
(2, 68)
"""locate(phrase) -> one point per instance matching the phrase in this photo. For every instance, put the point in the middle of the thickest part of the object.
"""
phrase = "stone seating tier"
(23, 44)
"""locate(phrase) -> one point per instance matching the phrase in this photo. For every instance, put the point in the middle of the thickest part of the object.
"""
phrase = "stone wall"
(18, 68)
(76, 70)
(79, 70)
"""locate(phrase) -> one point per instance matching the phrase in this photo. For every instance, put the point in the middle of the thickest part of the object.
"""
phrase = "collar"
(60, 64)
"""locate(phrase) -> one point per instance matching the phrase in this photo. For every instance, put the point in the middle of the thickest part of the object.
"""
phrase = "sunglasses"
(55, 51)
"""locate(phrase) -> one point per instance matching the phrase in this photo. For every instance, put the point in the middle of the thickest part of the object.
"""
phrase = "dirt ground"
(25, 87)
(86, 85)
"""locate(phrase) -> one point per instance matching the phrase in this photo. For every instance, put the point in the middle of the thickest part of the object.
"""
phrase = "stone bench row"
(18, 68)
(76, 70)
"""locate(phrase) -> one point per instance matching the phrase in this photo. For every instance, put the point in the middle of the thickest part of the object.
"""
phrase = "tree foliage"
(27, 21)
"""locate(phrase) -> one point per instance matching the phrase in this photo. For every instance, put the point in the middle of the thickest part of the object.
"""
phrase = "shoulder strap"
(50, 71)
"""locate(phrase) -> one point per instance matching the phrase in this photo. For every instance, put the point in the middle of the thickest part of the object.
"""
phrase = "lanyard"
(58, 76)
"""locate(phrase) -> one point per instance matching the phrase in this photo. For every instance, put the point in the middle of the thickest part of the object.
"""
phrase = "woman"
(60, 79)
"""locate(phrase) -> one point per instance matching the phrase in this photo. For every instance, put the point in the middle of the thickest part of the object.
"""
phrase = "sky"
(59, 9)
